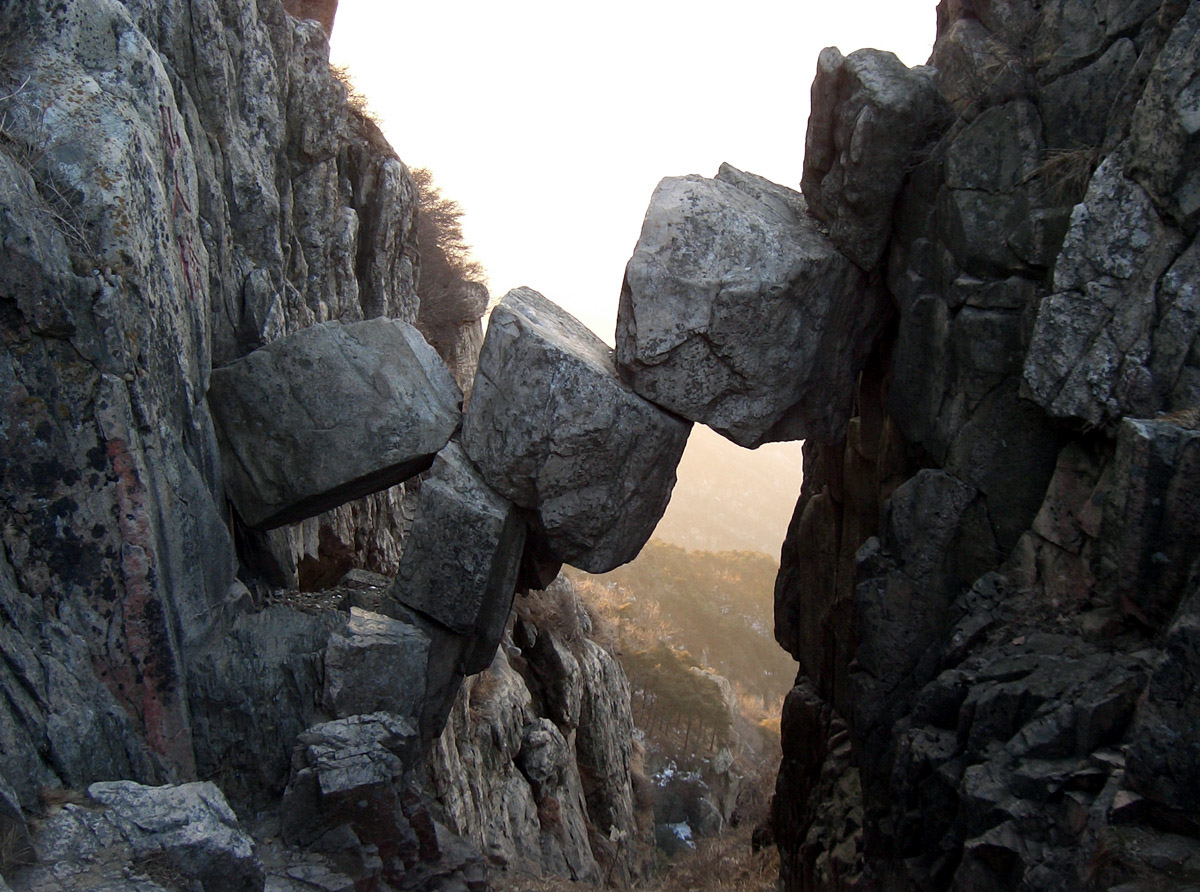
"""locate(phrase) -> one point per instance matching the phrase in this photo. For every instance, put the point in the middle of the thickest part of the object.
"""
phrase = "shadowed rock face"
(738, 313)
(330, 414)
(551, 427)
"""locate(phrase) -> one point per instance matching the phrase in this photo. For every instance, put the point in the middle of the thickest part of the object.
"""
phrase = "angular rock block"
(329, 414)
(552, 427)
(459, 566)
(377, 664)
(1115, 338)
(738, 313)
(870, 114)
(347, 771)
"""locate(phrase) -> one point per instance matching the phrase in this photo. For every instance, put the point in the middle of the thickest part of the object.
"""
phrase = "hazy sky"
(551, 122)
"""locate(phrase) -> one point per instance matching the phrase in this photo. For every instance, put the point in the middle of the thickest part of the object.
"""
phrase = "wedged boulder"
(329, 414)
(553, 428)
(459, 566)
(870, 114)
(189, 830)
(376, 664)
(738, 313)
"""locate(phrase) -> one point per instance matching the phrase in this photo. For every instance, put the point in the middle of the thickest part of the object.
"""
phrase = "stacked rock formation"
(982, 316)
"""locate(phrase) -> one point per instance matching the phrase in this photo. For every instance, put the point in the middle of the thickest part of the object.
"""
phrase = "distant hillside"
(717, 606)
(730, 498)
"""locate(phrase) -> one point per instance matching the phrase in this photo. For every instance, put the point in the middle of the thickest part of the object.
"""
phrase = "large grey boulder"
(870, 114)
(738, 313)
(553, 428)
(460, 563)
(329, 414)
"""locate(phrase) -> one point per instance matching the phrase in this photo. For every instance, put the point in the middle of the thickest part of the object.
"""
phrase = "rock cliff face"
(990, 581)
(536, 762)
(182, 183)
(208, 280)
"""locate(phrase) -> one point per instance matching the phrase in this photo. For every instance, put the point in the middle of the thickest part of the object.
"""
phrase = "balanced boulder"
(553, 428)
(738, 313)
(329, 414)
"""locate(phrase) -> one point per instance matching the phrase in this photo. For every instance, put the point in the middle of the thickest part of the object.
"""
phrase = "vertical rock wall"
(989, 583)
(180, 183)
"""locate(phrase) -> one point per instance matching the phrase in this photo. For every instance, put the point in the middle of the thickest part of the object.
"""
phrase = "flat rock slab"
(552, 427)
(460, 562)
(329, 414)
(738, 313)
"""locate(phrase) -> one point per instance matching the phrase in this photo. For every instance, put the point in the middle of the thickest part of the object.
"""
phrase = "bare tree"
(451, 285)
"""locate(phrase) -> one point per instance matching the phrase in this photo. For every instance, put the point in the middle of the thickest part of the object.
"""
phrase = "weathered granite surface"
(552, 427)
(738, 313)
(989, 581)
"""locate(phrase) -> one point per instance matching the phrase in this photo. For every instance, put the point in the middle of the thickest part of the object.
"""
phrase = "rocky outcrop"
(327, 415)
(535, 763)
(988, 581)
(176, 198)
(185, 191)
(552, 428)
(690, 321)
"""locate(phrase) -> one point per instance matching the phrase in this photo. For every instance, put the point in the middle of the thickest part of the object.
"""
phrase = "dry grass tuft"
(1067, 172)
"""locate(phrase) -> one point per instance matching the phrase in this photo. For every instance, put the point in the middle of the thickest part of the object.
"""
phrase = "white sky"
(551, 122)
